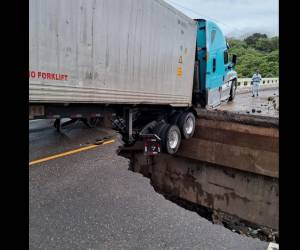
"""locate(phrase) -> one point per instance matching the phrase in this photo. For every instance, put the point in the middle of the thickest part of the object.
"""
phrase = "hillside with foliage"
(256, 52)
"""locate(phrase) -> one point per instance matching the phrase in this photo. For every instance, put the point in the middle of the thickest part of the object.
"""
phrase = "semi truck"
(145, 62)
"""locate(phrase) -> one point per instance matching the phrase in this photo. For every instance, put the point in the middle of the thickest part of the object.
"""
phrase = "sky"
(237, 18)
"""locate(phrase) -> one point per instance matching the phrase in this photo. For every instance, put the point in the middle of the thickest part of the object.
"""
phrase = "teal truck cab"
(214, 78)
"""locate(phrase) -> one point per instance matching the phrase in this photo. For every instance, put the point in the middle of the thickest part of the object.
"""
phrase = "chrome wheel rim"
(173, 139)
(189, 126)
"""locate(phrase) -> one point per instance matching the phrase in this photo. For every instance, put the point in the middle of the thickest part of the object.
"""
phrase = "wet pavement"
(90, 200)
(266, 103)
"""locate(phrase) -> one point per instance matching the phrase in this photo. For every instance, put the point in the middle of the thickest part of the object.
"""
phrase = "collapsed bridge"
(229, 167)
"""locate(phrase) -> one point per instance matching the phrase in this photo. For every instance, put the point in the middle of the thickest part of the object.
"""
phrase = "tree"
(266, 44)
(251, 40)
(258, 52)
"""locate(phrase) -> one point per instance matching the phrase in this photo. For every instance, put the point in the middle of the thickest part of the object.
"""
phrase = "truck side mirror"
(233, 59)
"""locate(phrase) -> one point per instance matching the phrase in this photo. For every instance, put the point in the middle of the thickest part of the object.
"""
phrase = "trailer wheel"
(232, 90)
(187, 124)
(171, 139)
(160, 129)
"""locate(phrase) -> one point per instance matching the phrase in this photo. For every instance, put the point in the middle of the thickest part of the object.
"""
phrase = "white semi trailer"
(131, 57)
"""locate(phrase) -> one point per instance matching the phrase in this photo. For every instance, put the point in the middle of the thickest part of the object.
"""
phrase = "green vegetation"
(256, 52)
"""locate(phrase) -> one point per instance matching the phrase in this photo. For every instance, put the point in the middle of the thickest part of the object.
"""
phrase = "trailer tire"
(159, 130)
(187, 124)
(171, 138)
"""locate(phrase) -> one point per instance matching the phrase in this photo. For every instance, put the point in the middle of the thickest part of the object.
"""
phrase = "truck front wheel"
(187, 124)
(232, 90)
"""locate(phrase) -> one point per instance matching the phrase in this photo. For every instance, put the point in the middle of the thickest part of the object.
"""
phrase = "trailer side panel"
(117, 51)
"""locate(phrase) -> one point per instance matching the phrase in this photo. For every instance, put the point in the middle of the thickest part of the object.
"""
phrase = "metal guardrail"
(246, 82)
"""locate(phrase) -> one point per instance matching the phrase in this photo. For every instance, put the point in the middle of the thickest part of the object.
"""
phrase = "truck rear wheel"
(171, 139)
(187, 124)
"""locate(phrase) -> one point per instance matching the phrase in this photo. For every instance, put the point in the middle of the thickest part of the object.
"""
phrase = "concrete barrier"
(244, 84)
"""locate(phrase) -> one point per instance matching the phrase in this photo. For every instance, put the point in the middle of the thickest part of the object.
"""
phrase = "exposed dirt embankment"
(242, 202)
(228, 172)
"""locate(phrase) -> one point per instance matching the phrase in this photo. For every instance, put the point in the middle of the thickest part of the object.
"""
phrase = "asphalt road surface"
(90, 200)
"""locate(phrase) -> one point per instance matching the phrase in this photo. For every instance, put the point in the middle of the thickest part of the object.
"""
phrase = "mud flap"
(152, 144)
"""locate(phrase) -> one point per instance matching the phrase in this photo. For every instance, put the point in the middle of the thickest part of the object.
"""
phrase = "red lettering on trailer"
(32, 74)
(48, 75)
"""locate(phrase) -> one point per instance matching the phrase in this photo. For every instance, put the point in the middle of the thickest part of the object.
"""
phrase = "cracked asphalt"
(90, 200)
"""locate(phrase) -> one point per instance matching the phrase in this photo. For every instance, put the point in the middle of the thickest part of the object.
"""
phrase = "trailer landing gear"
(128, 114)
(57, 124)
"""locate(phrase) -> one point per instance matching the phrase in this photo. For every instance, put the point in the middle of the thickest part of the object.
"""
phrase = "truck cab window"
(214, 64)
(225, 57)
